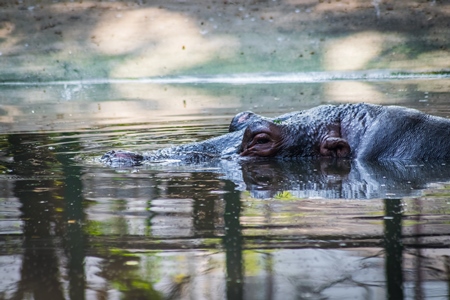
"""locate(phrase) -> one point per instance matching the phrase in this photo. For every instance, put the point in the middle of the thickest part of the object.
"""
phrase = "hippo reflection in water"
(357, 131)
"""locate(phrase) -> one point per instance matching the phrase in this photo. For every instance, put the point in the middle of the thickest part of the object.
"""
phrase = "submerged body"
(360, 131)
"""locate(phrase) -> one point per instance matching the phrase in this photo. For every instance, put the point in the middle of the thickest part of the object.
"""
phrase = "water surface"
(72, 228)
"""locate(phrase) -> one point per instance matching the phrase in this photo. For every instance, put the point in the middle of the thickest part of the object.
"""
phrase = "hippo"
(353, 131)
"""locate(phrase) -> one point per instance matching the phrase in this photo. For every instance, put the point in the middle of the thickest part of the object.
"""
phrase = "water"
(72, 228)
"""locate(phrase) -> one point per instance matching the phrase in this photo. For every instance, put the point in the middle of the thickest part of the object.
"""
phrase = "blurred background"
(75, 64)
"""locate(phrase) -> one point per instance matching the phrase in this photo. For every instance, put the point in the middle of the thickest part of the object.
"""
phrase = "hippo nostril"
(108, 155)
(122, 158)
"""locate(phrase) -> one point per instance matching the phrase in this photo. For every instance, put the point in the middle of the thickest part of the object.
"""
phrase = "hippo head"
(243, 119)
(264, 138)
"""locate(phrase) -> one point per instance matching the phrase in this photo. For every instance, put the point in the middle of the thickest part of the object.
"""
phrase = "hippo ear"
(240, 121)
(334, 147)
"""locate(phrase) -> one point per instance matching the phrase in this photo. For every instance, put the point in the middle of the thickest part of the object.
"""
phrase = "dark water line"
(251, 78)
(74, 215)
(394, 248)
(232, 242)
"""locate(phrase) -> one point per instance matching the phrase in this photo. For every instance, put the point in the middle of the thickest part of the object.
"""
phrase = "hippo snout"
(122, 158)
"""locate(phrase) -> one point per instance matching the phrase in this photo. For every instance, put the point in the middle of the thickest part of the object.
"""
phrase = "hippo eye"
(262, 141)
(261, 138)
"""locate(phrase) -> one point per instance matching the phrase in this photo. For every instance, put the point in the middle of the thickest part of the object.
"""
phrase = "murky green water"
(71, 228)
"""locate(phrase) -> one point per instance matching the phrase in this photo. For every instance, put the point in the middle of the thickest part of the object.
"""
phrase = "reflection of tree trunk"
(418, 290)
(40, 270)
(268, 256)
(447, 271)
(200, 187)
(269, 279)
(233, 242)
(394, 248)
(74, 238)
(204, 214)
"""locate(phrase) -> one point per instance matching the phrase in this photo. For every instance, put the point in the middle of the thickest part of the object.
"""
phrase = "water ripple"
(256, 78)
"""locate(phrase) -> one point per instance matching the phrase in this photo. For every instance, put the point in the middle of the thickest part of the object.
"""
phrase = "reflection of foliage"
(375, 213)
(412, 222)
(137, 289)
(435, 202)
(111, 226)
(92, 228)
(285, 195)
(133, 274)
(252, 262)
(436, 194)
(245, 194)
(3, 169)
(211, 241)
(179, 283)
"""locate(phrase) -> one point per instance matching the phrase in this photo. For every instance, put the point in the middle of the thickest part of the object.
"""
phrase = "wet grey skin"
(222, 147)
(356, 131)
